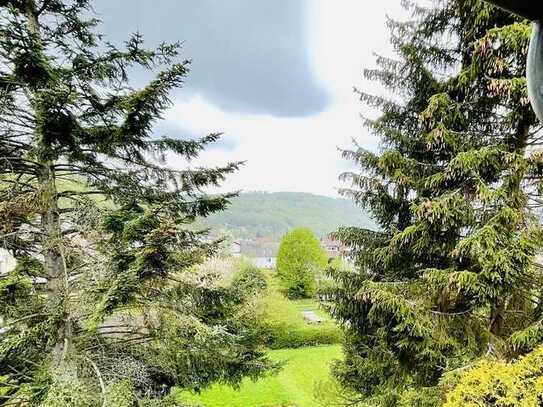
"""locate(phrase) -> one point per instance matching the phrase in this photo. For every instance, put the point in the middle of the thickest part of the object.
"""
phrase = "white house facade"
(7, 261)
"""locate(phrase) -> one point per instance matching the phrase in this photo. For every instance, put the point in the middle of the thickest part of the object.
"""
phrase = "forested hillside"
(273, 214)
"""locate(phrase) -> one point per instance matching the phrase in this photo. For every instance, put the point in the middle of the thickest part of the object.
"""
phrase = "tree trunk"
(496, 319)
(54, 261)
(52, 242)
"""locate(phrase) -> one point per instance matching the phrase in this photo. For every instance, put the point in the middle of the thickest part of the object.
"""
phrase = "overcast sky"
(276, 76)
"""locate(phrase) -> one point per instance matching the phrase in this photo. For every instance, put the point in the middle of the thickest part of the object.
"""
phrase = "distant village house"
(333, 248)
(8, 264)
(7, 261)
(261, 251)
(235, 249)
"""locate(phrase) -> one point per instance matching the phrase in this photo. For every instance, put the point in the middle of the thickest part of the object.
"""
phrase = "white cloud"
(300, 154)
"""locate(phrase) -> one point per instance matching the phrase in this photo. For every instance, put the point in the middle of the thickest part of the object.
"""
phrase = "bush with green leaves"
(497, 383)
(299, 259)
(325, 282)
(249, 280)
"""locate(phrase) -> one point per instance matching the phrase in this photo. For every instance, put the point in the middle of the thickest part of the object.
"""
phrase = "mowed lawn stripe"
(292, 386)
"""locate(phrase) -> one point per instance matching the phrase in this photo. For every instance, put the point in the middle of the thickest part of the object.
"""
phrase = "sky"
(275, 76)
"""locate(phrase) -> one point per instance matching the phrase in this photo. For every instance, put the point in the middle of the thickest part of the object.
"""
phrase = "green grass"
(293, 386)
(285, 323)
(293, 342)
(287, 328)
(305, 367)
(311, 305)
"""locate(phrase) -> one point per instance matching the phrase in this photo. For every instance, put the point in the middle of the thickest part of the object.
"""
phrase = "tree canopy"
(449, 276)
(105, 302)
(299, 258)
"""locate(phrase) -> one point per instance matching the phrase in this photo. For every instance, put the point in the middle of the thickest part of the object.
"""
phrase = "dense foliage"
(299, 259)
(496, 383)
(105, 306)
(449, 276)
(249, 280)
(273, 214)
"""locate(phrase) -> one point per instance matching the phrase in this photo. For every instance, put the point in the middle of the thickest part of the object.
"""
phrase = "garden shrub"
(496, 383)
(283, 336)
(249, 280)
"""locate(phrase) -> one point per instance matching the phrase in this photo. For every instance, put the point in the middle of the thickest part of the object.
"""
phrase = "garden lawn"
(285, 323)
(293, 386)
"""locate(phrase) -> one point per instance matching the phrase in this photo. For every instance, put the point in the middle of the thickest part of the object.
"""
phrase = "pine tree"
(449, 275)
(104, 300)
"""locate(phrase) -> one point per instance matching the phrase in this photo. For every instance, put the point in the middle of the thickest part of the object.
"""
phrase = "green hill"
(273, 214)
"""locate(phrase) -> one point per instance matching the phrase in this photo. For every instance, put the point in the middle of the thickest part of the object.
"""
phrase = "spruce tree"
(104, 303)
(448, 277)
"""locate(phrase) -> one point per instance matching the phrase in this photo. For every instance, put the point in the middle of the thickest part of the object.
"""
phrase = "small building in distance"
(228, 245)
(334, 248)
(8, 264)
(235, 249)
(261, 251)
(7, 261)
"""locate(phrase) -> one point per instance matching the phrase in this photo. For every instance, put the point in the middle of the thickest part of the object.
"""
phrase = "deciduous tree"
(299, 258)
